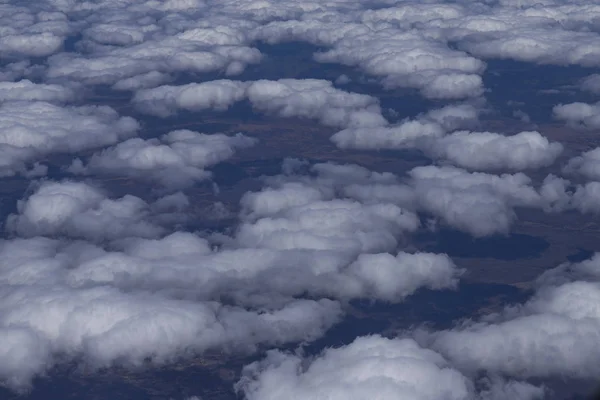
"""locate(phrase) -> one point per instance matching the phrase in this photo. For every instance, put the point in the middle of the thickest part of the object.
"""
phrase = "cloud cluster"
(30, 131)
(175, 160)
(552, 334)
(479, 203)
(579, 115)
(115, 280)
(305, 98)
(132, 292)
(435, 133)
(78, 210)
(391, 368)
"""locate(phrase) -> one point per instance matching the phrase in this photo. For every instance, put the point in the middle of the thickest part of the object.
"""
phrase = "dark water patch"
(458, 244)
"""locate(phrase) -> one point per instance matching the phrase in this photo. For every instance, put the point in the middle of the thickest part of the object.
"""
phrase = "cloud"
(78, 210)
(175, 160)
(579, 115)
(135, 47)
(419, 132)
(389, 368)
(478, 203)
(587, 164)
(31, 130)
(306, 98)
(591, 83)
(553, 334)
(492, 151)
(47, 311)
(301, 216)
(26, 90)
(481, 151)
(31, 31)
(134, 290)
(402, 58)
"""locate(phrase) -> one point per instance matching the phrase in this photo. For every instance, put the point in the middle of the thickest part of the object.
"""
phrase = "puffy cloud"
(46, 310)
(373, 364)
(587, 164)
(481, 204)
(553, 334)
(419, 132)
(134, 42)
(591, 83)
(310, 221)
(489, 151)
(26, 90)
(391, 368)
(31, 130)
(475, 202)
(175, 160)
(296, 253)
(579, 114)
(79, 210)
(402, 58)
(473, 150)
(307, 98)
(31, 31)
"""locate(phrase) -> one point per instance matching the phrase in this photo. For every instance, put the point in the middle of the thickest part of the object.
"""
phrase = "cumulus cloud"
(391, 368)
(306, 98)
(43, 315)
(26, 90)
(149, 40)
(492, 151)
(581, 115)
(299, 251)
(587, 164)
(479, 203)
(31, 130)
(79, 210)
(553, 334)
(419, 132)
(175, 160)
(110, 280)
(31, 31)
(591, 83)
(473, 150)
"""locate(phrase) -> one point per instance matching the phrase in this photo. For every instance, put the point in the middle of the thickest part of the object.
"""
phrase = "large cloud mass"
(97, 267)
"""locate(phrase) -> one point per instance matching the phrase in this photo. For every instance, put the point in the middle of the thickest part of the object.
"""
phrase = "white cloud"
(481, 204)
(492, 151)
(79, 210)
(31, 130)
(553, 334)
(46, 310)
(581, 115)
(419, 132)
(587, 164)
(591, 83)
(175, 160)
(369, 365)
(28, 91)
(307, 98)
